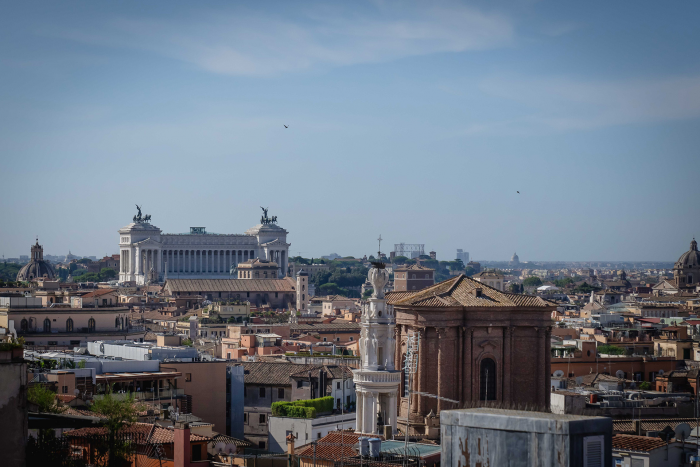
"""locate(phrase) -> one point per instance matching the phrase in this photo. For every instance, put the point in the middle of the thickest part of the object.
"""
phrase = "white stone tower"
(302, 291)
(377, 382)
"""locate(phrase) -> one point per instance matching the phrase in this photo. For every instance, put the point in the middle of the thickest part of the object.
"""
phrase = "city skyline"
(560, 131)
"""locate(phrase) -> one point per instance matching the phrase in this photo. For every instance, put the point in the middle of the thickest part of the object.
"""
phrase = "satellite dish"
(220, 447)
(558, 373)
(682, 431)
(230, 449)
(76, 392)
(579, 380)
(661, 372)
(620, 374)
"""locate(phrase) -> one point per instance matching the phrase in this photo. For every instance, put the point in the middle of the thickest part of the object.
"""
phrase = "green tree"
(187, 342)
(108, 273)
(532, 281)
(645, 385)
(611, 350)
(45, 398)
(367, 294)
(89, 277)
(118, 413)
(85, 261)
(400, 260)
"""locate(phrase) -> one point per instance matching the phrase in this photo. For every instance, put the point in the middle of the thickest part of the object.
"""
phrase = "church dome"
(36, 268)
(691, 258)
(515, 258)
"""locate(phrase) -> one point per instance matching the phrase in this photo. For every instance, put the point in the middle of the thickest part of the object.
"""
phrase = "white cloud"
(245, 42)
(568, 104)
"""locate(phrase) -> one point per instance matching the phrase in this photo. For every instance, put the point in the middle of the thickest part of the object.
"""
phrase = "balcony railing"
(146, 395)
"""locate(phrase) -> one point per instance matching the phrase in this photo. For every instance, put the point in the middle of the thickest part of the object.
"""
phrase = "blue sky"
(416, 120)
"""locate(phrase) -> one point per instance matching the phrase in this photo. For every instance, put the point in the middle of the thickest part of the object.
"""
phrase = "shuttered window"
(593, 451)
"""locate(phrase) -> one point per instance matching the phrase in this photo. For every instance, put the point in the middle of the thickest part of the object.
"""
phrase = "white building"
(463, 255)
(377, 381)
(306, 429)
(149, 255)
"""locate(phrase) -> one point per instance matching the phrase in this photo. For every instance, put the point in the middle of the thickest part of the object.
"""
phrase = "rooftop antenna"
(379, 253)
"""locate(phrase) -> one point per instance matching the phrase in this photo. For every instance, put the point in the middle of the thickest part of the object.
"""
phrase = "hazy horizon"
(419, 121)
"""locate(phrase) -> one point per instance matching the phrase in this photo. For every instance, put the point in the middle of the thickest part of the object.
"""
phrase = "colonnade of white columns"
(203, 261)
(139, 260)
(369, 404)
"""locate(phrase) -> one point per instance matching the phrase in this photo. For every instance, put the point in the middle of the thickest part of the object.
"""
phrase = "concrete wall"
(13, 410)
(564, 403)
(495, 437)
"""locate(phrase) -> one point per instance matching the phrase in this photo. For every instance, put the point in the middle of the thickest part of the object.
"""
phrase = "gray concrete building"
(499, 437)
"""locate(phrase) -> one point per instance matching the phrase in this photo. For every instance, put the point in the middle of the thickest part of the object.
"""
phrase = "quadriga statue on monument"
(378, 278)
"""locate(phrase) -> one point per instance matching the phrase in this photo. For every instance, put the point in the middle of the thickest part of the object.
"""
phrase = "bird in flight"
(518, 192)
(285, 126)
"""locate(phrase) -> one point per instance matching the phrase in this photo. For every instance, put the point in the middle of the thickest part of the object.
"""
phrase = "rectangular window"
(74, 342)
(65, 389)
(300, 384)
(280, 393)
(245, 417)
(197, 452)
(262, 418)
(188, 377)
(53, 342)
(337, 385)
(245, 391)
(262, 392)
(261, 444)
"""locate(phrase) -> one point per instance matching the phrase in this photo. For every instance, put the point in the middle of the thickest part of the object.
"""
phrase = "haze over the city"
(417, 121)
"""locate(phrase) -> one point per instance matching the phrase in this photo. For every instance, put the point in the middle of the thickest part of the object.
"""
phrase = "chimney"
(183, 448)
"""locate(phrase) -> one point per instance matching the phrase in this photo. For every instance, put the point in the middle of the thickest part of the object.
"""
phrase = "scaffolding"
(409, 250)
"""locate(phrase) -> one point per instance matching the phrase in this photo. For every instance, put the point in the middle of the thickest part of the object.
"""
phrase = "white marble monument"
(198, 254)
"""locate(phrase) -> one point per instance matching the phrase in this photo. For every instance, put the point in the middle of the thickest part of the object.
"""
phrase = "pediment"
(488, 345)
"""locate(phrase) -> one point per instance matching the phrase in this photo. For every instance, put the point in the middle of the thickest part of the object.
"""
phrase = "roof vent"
(477, 292)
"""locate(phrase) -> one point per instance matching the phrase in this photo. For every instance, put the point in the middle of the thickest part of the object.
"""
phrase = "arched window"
(69, 325)
(91, 325)
(487, 380)
(126, 323)
(116, 322)
(123, 323)
(24, 325)
(303, 296)
(47, 325)
(303, 287)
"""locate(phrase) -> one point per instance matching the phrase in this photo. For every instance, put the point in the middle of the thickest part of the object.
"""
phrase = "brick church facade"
(476, 344)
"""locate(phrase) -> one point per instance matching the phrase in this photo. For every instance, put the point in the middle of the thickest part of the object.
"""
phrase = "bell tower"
(302, 291)
(377, 381)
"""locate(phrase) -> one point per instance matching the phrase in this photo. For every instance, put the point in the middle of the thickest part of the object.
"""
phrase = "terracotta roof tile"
(637, 443)
(269, 373)
(460, 291)
(231, 285)
(651, 424)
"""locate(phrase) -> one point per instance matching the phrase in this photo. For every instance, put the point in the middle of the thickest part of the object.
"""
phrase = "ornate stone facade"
(686, 271)
(377, 381)
(476, 344)
(199, 254)
(37, 268)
